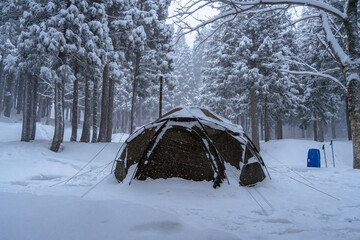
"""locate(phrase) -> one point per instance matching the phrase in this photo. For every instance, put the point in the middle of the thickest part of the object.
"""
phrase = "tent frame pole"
(136, 172)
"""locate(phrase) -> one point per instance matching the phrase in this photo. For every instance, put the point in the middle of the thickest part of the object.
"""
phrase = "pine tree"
(242, 73)
(119, 24)
(186, 87)
(147, 47)
(320, 98)
(30, 47)
(199, 62)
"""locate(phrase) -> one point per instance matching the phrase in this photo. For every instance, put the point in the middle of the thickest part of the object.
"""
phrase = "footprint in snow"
(20, 183)
(42, 177)
(161, 226)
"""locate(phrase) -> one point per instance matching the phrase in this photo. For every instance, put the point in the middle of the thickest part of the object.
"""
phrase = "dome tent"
(190, 143)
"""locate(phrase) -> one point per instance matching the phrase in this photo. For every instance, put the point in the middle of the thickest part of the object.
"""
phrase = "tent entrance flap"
(178, 154)
(251, 173)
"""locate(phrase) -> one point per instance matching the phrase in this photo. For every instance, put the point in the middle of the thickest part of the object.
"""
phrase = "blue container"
(313, 159)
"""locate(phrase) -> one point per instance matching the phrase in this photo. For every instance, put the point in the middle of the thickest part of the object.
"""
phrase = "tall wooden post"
(160, 97)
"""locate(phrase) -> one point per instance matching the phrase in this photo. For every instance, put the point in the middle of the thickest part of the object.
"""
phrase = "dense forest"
(95, 62)
(98, 65)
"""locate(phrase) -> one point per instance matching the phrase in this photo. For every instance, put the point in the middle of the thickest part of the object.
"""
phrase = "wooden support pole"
(160, 97)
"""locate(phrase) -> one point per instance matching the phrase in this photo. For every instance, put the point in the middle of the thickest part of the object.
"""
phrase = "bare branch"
(305, 18)
(268, 9)
(215, 30)
(304, 64)
(186, 11)
(337, 29)
(225, 15)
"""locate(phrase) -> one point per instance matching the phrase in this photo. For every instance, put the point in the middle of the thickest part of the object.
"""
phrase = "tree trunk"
(354, 107)
(107, 106)
(104, 106)
(160, 96)
(29, 109)
(139, 114)
(262, 127)
(279, 130)
(9, 94)
(63, 104)
(67, 111)
(266, 125)
(74, 119)
(110, 109)
(50, 103)
(40, 109)
(44, 111)
(254, 119)
(134, 91)
(85, 135)
(315, 131)
(352, 71)
(20, 96)
(2, 85)
(123, 121)
(333, 130)
(95, 109)
(16, 87)
(79, 115)
(59, 116)
(118, 121)
(247, 128)
(238, 119)
(25, 132)
(321, 131)
(302, 133)
(33, 106)
(59, 103)
(348, 125)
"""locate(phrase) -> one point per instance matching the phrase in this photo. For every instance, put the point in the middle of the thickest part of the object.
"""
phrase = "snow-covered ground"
(37, 201)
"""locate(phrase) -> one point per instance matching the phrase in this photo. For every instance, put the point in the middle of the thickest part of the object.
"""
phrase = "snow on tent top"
(190, 143)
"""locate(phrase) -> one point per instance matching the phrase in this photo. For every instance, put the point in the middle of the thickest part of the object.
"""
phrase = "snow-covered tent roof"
(202, 114)
(191, 143)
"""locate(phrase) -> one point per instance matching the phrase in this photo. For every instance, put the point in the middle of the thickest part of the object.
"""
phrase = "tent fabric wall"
(186, 146)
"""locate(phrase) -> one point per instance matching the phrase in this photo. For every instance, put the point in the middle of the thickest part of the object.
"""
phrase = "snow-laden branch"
(240, 6)
(311, 3)
(317, 74)
(334, 45)
(327, 48)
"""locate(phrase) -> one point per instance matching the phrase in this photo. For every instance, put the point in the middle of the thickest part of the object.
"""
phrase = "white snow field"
(37, 202)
